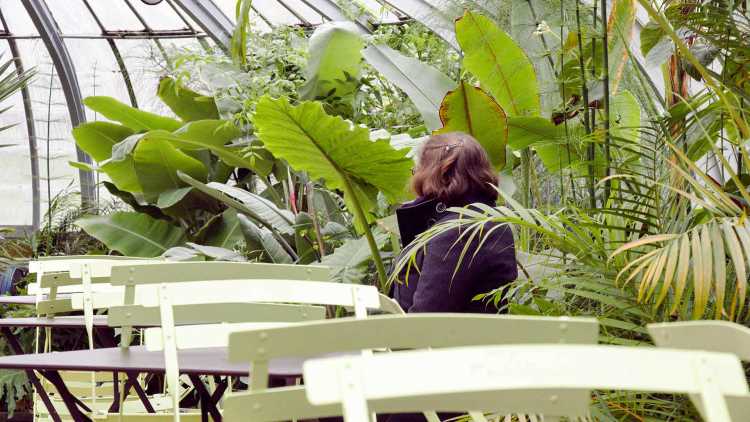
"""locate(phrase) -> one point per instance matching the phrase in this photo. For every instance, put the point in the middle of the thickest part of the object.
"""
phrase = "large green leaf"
(157, 162)
(202, 134)
(334, 61)
(188, 105)
(470, 110)
(258, 208)
(332, 149)
(97, 138)
(619, 33)
(133, 234)
(349, 261)
(225, 232)
(260, 240)
(625, 117)
(424, 85)
(206, 134)
(499, 64)
(135, 119)
(526, 131)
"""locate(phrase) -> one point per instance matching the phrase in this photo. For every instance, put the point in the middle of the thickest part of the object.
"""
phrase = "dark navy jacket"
(436, 286)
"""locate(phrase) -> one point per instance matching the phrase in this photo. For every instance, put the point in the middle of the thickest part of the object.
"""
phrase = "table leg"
(205, 398)
(71, 402)
(133, 382)
(15, 346)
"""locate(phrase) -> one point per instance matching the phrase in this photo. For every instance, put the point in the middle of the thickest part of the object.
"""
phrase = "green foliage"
(335, 60)
(424, 85)
(133, 234)
(470, 110)
(331, 149)
(135, 119)
(500, 65)
(188, 105)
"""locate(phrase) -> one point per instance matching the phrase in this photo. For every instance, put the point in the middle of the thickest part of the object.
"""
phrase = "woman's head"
(453, 166)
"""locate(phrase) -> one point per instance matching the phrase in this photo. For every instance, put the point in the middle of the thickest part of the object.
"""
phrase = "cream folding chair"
(415, 331)
(165, 288)
(712, 336)
(82, 274)
(553, 380)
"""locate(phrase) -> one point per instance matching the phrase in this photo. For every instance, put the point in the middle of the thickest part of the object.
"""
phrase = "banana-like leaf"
(135, 119)
(501, 66)
(625, 119)
(335, 61)
(261, 240)
(198, 135)
(136, 203)
(424, 85)
(332, 149)
(524, 132)
(263, 211)
(133, 234)
(620, 29)
(225, 232)
(349, 261)
(470, 110)
(157, 162)
(187, 104)
(97, 138)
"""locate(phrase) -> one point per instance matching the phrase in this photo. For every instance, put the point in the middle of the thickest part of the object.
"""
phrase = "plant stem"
(605, 80)
(585, 93)
(314, 216)
(360, 214)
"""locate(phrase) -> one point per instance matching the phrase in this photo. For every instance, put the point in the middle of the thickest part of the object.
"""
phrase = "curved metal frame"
(210, 18)
(45, 24)
(30, 130)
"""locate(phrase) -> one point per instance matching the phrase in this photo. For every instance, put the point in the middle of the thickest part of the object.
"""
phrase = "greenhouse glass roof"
(116, 48)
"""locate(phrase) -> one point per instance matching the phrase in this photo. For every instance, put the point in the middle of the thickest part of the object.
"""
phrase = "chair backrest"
(547, 379)
(83, 271)
(413, 331)
(713, 336)
(707, 335)
(192, 287)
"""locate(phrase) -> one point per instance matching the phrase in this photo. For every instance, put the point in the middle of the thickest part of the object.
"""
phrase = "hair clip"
(451, 146)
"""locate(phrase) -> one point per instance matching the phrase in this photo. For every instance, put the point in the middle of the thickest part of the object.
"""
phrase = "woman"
(453, 171)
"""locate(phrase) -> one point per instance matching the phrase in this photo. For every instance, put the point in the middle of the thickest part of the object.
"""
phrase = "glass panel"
(379, 11)
(97, 69)
(305, 11)
(160, 16)
(72, 17)
(145, 63)
(275, 13)
(228, 7)
(116, 15)
(16, 17)
(15, 190)
(52, 122)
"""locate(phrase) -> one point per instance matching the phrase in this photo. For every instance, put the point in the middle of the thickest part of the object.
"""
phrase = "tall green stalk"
(590, 152)
(605, 81)
(360, 214)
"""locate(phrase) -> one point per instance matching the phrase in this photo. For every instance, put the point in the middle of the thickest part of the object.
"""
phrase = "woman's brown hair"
(453, 166)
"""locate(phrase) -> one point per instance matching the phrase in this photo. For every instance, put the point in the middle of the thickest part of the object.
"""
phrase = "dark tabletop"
(25, 299)
(56, 322)
(207, 361)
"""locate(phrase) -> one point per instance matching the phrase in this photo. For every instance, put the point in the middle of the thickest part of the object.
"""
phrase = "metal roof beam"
(211, 19)
(48, 30)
